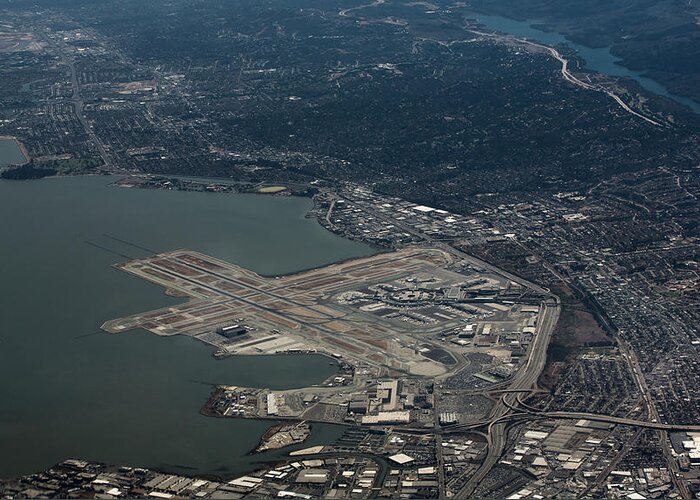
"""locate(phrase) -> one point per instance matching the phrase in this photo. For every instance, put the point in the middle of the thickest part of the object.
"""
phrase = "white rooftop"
(401, 458)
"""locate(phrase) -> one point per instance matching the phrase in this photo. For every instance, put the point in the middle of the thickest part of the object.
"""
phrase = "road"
(344, 12)
(443, 246)
(569, 77)
(78, 103)
(653, 414)
(525, 380)
(438, 450)
(566, 74)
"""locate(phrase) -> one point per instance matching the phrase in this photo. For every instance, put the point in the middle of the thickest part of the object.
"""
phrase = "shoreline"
(22, 149)
(548, 27)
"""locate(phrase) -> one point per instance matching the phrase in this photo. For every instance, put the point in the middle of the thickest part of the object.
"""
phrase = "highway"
(78, 103)
(525, 380)
(621, 421)
(565, 73)
(344, 12)
(444, 246)
(628, 353)
(569, 77)
(594, 417)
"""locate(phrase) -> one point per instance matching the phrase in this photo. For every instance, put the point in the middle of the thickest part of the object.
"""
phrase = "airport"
(412, 312)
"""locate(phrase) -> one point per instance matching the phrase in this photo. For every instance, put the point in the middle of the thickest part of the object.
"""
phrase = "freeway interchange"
(406, 325)
(388, 315)
(341, 211)
(526, 378)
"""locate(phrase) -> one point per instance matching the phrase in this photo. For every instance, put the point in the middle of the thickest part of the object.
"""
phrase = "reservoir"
(69, 390)
(600, 60)
(10, 153)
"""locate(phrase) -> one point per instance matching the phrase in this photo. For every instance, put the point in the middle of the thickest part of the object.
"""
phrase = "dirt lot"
(577, 328)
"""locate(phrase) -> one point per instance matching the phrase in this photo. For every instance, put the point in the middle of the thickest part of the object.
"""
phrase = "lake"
(10, 153)
(600, 59)
(69, 390)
